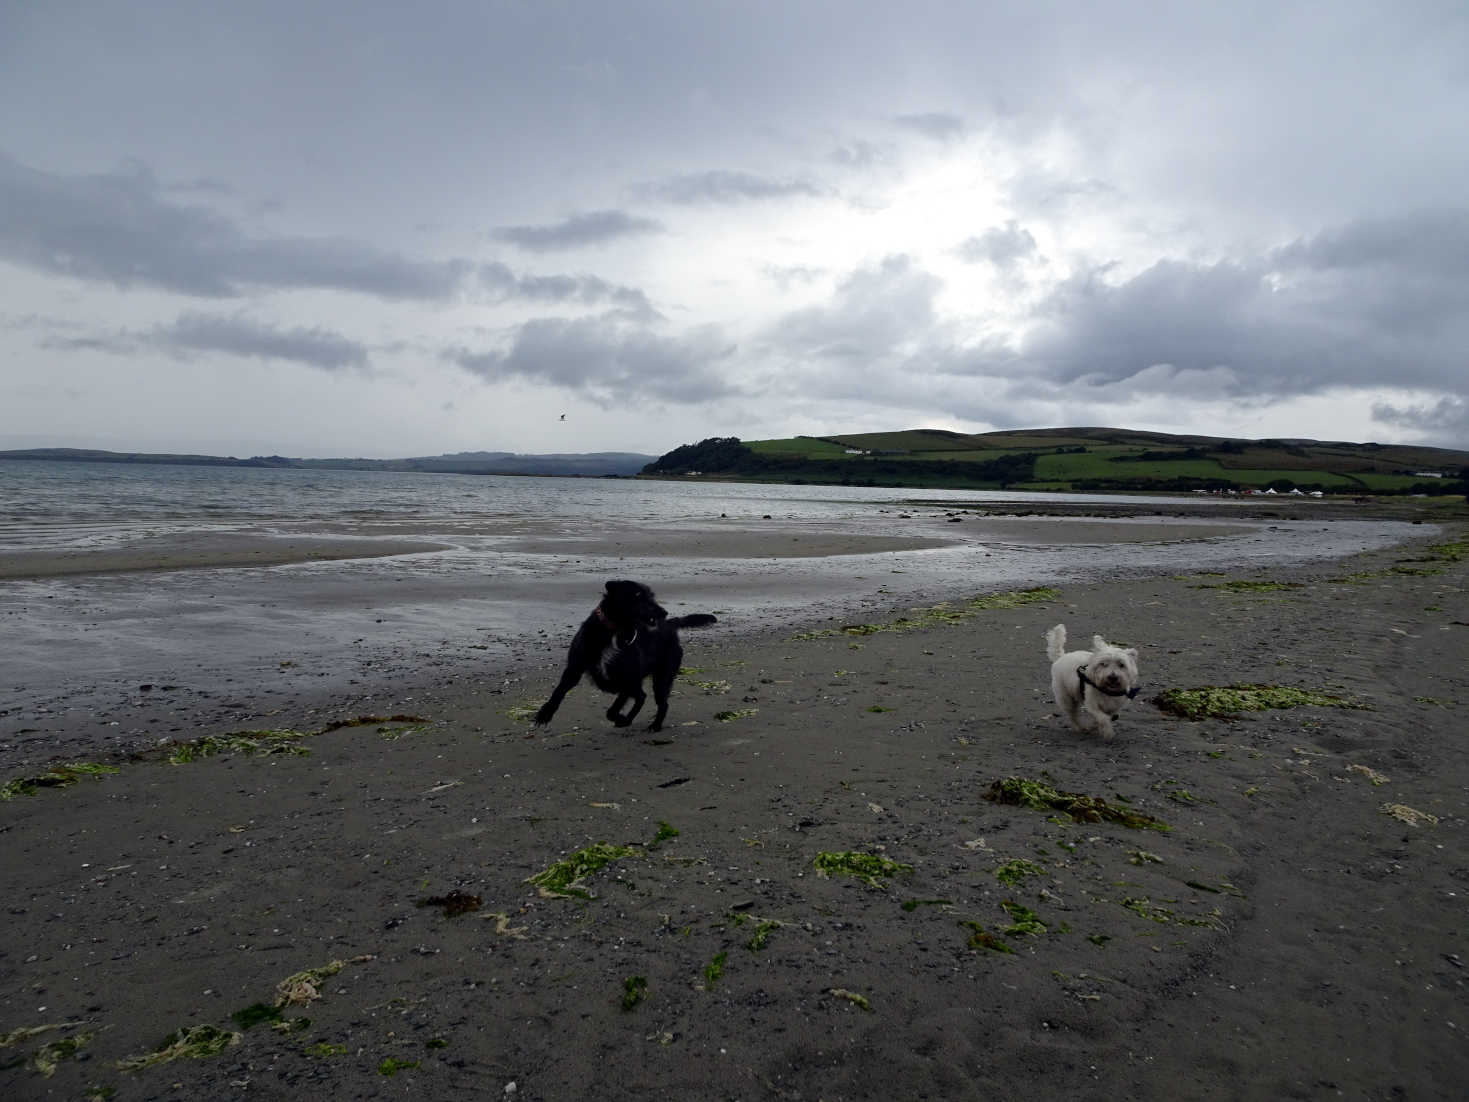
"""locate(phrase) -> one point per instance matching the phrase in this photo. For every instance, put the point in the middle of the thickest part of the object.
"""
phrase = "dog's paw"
(543, 716)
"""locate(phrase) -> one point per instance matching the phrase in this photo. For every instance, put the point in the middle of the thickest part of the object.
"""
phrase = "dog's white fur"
(1112, 668)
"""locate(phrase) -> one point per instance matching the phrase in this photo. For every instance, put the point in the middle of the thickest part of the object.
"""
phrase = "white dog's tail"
(1056, 642)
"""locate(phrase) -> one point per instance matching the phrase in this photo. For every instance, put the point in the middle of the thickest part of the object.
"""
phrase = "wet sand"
(1290, 935)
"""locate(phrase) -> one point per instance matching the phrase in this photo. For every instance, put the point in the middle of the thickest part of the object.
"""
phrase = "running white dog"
(1091, 686)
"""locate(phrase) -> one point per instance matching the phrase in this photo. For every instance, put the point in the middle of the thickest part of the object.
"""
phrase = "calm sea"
(45, 505)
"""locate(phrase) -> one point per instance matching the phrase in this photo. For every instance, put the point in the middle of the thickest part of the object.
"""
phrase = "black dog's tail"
(697, 620)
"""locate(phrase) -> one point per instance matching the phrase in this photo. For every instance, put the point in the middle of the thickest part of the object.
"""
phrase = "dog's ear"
(1131, 652)
(1098, 643)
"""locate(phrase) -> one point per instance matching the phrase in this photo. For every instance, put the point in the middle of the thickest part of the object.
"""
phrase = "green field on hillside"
(1085, 459)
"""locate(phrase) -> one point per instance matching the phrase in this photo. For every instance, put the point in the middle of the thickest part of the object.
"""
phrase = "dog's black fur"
(627, 638)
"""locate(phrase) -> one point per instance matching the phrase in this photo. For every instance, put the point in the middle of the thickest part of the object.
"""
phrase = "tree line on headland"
(1097, 460)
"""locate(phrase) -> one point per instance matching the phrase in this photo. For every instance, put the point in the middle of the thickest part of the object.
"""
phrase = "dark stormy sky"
(377, 228)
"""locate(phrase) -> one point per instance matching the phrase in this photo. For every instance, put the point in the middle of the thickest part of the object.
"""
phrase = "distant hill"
(594, 464)
(1074, 459)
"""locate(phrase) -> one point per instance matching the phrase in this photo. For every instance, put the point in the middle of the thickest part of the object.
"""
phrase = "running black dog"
(628, 637)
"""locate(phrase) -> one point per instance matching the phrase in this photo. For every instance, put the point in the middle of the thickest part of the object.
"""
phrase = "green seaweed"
(762, 934)
(324, 1049)
(1027, 922)
(304, 987)
(860, 1001)
(1038, 795)
(26, 1032)
(1013, 872)
(257, 743)
(665, 832)
(1014, 598)
(634, 991)
(739, 713)
(1146, 909)
(392, 1066)
(562, 878)
(943, 613)
(55, 776)
(46, 1058)
(714, 970)
(436, 1043)
(255, 1014)
(1454, 551)
(980, 938)
(866, 867)
(193, 1043)
(1211, 701)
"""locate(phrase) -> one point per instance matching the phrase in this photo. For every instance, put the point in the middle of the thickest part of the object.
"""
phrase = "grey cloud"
(609, 360)
(1353, 308)
(586, 289)
(859, 154)
(1433, 241)
(1444, 421)
(592, 228)
(119, 228)
(872, 312)
(240, 336)
(721, 186)
(938, 125)
(117, 345)
(1002, 247)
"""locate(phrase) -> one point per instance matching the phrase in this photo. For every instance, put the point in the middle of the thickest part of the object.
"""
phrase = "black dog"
(627, 638)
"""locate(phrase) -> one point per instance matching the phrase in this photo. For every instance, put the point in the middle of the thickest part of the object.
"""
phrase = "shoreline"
(217, 645)
(1286, 937)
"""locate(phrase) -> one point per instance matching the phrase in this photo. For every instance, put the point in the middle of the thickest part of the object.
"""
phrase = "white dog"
(1095, 682)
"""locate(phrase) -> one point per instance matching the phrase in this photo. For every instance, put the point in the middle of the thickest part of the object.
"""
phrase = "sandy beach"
(358, 898)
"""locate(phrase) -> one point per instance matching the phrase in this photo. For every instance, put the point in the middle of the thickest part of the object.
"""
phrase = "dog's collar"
(607, 620)
(1085, 681)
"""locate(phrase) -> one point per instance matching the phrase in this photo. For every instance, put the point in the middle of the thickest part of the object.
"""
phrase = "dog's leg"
(614, 713)
(662, 686)
(569, 677)
(663, 679)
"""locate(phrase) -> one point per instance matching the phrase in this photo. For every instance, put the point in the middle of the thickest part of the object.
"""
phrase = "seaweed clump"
(634, 991)
(194, 1043)
(1020, 792)
(1227, 700)
(57, 776)
(562, 878)
(1013, 872)
(257, 743)
(980, 938)
(866, 867)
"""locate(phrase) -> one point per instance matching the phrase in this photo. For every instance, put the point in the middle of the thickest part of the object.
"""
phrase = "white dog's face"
(1111, 668)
